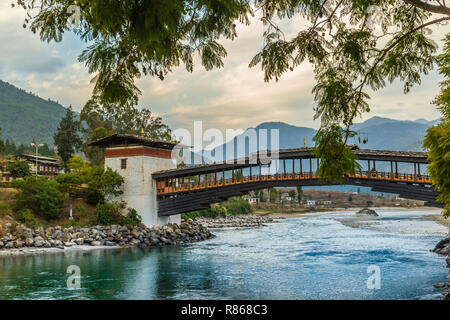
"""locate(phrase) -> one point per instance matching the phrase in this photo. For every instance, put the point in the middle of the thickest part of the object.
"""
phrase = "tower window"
(123, 163)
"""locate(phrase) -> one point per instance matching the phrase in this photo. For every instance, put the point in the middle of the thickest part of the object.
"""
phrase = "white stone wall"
(139, 189)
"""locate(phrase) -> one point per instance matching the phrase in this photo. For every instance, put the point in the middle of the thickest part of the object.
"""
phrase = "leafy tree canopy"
(353, 46)
(18, 168)
(437, 139)
(132, 38)
(103, 120)
(67, 138)
(40, 195)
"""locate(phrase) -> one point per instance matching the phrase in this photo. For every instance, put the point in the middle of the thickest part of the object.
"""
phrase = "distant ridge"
(381, 133)
(25, 116)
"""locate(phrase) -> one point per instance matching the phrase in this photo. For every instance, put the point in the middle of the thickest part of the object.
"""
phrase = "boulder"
(366, 212)
(38, 243)
(439, 285)
(29, 242)
(18, 244)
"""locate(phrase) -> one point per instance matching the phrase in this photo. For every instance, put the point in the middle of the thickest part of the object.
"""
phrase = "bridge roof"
(208, 168)
(298, 153)
(363, 154)
(121, 140)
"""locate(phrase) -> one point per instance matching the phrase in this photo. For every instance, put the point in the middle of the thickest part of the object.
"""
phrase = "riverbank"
(236, 221)
(443, 248)
(421, 226)
(19, 240)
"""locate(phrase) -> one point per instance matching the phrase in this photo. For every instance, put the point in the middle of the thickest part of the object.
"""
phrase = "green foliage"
(104, 214)
(4, 209)
(67, 138)
(9, 148)
(337, 159)
(77, 165)
(299, 194)
(232, 206)
(18, 168)
(437, 139)
(292, 194)
(80, 209)
(96, 183)
(106, 181)
(103, 120)
(132, 218)
(40, 195)
(262, 197)
(108, 213)
(133, 38)
(237, 205)
(27, 217)
(349, 56)
(273, 195)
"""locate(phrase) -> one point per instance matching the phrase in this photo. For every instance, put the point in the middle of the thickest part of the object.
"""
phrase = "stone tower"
(135, 158)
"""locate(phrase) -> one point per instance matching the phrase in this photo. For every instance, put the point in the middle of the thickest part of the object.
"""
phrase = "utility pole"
(36, 155)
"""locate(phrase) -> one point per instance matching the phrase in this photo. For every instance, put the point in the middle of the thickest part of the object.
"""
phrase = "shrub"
(232, 206)
(80, 209)
(237, 205)
(27, 217)
(40, 195)
(4, 209)
(132, 218)
(104, 214)
(108, 213)
(13, 227)
(92, 197)
(18, 168)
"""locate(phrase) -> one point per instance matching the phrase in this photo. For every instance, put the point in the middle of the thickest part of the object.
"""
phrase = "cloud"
(232, 97)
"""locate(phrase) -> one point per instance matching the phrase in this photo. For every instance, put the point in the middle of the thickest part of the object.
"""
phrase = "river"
(316, 257)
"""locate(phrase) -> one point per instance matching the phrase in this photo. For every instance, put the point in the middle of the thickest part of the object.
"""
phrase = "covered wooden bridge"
(192, 188)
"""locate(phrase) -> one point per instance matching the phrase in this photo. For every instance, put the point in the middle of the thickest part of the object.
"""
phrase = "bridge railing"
(165, 187)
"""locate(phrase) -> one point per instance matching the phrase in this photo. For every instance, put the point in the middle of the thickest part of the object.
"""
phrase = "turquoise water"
(308, 258)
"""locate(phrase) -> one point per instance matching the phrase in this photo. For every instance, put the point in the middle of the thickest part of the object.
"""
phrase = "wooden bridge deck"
(183, 187)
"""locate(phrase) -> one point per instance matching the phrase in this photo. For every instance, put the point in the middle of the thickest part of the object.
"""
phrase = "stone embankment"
(443, 247)
(20, 237)
(235, 221)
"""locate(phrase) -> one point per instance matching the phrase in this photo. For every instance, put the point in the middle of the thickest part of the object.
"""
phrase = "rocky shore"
(19, 237)
(235, 221)
(443, 248)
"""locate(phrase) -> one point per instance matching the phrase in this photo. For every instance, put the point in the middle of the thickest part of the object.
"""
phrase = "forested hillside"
(25, 116)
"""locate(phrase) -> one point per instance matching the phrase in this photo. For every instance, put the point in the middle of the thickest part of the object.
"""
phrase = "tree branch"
(429, 7)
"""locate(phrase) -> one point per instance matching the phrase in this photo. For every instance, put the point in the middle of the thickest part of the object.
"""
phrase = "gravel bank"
(235, 221)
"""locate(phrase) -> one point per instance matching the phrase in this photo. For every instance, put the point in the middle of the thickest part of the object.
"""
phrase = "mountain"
(380, 133)
(25, 116)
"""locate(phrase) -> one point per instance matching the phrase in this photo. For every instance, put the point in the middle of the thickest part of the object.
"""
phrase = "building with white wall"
(135, 158)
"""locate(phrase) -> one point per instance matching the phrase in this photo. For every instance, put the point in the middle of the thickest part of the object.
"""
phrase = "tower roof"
(127, 140)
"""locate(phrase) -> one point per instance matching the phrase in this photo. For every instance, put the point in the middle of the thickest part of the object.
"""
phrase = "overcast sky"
(232, 97)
